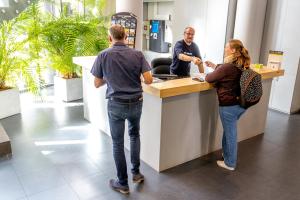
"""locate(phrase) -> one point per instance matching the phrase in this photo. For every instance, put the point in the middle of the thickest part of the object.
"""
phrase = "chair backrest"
(161, 65)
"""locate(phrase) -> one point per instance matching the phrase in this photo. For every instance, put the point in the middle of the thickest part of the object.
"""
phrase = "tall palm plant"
(95, 37)
(67, 37)
(13, 67)
(31, 25)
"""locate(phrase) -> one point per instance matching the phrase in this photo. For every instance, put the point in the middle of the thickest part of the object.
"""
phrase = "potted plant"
(68, 37)
(13, 69)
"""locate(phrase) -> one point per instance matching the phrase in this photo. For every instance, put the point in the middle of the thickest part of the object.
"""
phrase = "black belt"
(132, 100)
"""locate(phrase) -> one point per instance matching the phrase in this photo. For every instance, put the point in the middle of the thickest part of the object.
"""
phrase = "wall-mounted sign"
(275, 59)
(129, 22)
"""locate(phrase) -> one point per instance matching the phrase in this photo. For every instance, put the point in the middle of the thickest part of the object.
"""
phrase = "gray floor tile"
(41, 180)
(29, 164)
(92, 186)
(58, 193)
(10, 186)
(78, 169)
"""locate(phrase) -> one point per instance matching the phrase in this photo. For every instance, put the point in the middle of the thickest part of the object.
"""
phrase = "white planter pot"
(68, 89)
(9, 102)
(48, 75)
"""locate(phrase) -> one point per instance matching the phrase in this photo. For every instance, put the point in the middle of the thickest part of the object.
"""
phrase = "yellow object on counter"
(258, 66)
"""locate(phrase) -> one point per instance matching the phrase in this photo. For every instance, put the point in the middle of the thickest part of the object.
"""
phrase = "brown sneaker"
(115, 185)
(138, 178)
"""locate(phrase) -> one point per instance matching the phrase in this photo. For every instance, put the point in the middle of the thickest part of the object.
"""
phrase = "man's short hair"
(189, 27)
(117, 32)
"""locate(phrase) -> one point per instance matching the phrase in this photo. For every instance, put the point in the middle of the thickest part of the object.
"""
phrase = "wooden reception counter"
(187, 85)
(180, 119)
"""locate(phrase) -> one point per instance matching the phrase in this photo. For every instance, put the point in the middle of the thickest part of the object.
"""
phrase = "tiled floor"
(59, 155)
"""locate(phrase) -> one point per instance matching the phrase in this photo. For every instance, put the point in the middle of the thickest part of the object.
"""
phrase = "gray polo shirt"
(121, 67)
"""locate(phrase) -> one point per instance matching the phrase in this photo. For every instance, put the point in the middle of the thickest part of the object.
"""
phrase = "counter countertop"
(187, 85)
(178, 86)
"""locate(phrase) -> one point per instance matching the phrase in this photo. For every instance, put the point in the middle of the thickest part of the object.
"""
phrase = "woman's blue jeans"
(117, 114)
(229, 116)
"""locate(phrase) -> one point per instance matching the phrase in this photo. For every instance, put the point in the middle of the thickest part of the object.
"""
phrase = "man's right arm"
(181, 56)
(97, 72)
(146, 70)
(186, 58)
(178, 50)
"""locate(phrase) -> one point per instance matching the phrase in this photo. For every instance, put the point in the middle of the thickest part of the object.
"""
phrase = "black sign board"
(129, 22)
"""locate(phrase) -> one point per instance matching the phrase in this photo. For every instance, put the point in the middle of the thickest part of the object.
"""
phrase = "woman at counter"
(227, 82)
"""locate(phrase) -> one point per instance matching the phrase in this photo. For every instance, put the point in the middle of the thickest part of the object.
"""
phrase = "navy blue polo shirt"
(121, 67)
(180, 67)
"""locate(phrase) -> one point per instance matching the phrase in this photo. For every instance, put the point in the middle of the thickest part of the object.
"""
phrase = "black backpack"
(251, 88)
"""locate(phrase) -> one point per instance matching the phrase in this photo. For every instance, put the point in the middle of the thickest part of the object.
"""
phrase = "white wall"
(110, 7)
(282, 32)
(160, 10)
(215, 30)
(249, 25)
(135, 7)
(209, 18)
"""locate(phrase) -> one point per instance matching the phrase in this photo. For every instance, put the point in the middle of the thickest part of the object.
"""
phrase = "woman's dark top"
(227, 81)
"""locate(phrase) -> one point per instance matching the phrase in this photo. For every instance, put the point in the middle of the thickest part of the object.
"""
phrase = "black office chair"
(161, 65)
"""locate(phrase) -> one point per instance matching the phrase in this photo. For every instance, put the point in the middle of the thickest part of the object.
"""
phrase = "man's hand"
(197, 61)
(98, 82)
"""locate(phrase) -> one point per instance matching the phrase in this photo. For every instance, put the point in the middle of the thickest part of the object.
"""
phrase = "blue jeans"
(117, 114)
(229, 116)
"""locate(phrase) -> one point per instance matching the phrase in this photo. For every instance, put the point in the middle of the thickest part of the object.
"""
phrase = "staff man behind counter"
(185, 52)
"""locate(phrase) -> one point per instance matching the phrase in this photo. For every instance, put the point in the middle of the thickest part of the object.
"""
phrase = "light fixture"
(3, 11)
(4, 3)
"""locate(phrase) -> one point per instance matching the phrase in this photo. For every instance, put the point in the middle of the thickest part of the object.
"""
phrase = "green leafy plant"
(30, 24)
(34, 40)
(13, 67)
(67, 37)
(93, 7)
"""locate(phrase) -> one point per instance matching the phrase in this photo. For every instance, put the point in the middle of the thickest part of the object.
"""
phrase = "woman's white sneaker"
(222, 164)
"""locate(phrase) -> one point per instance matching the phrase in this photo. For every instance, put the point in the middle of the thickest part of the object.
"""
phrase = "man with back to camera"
(121, 68)
(185, 52)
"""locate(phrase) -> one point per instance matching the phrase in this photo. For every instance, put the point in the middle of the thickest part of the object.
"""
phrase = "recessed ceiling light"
(4, 3)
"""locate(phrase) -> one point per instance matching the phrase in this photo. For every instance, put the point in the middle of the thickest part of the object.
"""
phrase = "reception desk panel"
(180, 120)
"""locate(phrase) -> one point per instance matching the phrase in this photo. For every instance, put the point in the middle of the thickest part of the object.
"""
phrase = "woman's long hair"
(240, 57)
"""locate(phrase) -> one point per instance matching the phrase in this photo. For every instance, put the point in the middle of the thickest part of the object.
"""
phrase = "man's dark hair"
(117, 32)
